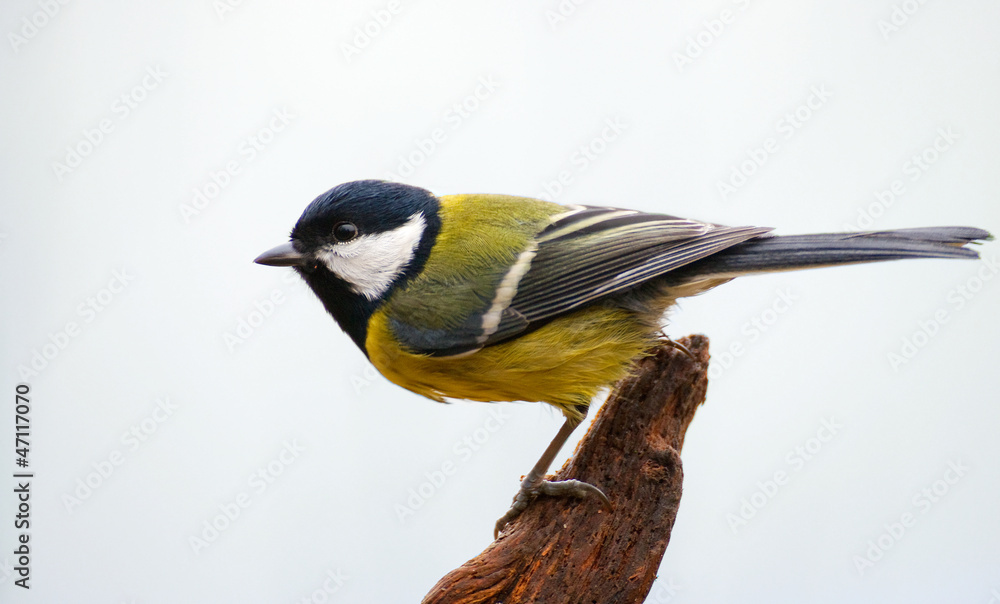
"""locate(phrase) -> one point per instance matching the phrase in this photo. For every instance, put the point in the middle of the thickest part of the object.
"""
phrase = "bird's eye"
(344, 231)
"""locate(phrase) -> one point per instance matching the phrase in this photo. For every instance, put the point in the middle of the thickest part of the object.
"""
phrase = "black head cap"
(373, 206)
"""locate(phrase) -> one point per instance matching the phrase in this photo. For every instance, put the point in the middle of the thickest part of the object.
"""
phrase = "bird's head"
(358, 241)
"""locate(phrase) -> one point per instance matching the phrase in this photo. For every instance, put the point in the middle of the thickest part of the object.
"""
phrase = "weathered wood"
(571, 551)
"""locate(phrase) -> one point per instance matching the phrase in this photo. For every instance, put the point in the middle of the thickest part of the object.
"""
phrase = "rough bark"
(572, 551)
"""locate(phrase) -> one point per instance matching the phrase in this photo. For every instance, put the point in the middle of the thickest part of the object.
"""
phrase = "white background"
(696, 89)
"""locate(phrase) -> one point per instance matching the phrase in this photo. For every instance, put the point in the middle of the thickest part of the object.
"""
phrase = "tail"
(781, 253)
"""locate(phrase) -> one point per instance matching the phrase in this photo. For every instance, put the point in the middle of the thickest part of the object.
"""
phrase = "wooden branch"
(572, 551)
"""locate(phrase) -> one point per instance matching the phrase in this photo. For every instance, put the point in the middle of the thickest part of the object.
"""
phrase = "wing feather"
(582, 256)
(569, 272)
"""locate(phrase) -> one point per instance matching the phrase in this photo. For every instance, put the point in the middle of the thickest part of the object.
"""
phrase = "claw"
(560, 488)
(574, 488)
(679, 347)
(505, 520)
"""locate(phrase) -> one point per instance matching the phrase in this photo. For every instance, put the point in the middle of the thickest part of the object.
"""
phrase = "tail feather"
(790, 252)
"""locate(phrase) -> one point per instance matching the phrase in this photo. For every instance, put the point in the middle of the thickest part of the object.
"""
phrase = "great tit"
(500, 298)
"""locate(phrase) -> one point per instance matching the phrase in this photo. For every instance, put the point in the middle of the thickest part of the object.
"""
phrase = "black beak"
(283, 255)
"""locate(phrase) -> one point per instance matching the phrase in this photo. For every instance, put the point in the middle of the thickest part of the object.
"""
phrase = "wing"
(596, 252)
(581, 256)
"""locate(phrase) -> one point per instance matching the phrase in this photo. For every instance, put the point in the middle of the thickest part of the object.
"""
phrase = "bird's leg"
(534, 484)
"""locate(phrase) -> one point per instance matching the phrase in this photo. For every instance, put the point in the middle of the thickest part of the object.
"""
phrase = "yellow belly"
(564, 363)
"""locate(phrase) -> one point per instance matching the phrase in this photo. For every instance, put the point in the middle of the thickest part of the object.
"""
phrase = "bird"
(499, 298)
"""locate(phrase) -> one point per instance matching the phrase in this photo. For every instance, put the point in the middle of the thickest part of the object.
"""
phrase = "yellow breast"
(564, 363)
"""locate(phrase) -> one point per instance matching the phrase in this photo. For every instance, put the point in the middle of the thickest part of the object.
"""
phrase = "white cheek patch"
(370, 263)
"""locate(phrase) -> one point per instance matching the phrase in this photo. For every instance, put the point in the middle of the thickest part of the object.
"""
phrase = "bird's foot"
(530, 490)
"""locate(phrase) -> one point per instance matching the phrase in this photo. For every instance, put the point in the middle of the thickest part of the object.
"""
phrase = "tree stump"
(570, 550)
